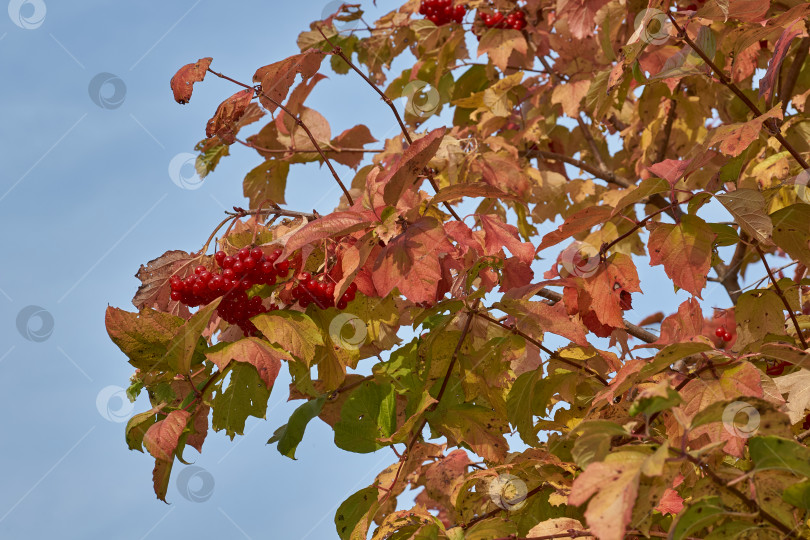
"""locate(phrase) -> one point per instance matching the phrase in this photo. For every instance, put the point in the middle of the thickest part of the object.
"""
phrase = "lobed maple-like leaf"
(685, 250)
(403, 175)
(154, 291)
(183, 81)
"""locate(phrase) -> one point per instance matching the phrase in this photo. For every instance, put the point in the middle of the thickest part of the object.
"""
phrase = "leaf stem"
(781, 294)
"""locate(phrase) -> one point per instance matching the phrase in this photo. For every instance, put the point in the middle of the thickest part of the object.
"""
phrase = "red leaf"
(353, 138)
(277, 78)
(576, 223)
(683, 326)
(499, 234)
(335, 224)
(516, 273)
(673, 170)
(405, 172)
(161, 438)
(735, 138)
(605, 289)
(154, 290)
(223, 124)
(766, 84)
(503, 173)
(183, 81)
(410, 262)
(256, 352)
(685, 250)
(580, 15)
(200, 425)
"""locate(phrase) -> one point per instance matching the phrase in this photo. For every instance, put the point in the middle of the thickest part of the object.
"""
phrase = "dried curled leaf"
(183, 81)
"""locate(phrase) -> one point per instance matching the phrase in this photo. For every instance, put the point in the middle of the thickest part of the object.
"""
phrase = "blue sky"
(85, 198)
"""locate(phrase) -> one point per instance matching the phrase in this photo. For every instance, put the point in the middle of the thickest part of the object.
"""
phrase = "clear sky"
(89, 130)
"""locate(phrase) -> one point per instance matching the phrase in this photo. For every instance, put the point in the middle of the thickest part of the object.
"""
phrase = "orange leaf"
(183, 81)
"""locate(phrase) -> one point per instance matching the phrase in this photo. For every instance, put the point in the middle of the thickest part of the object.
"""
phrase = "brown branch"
(418, 431)
(592, 143)
(497, 511)
(596, 172)
(632, 329)
(771, 127)
(574, 533)
(272, 211)
(339, 52)
(751, 504)
(781, 294)
(543, 348)
(786, 92)
(332, 150)
(300, 123)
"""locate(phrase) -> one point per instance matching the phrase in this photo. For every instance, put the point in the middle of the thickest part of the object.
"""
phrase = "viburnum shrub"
(585, 140)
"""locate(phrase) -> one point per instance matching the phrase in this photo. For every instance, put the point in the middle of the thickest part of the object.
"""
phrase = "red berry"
(256, 253)
(727, 336)
(720, 332)
(250, 263)
(282, 267)
(228, 262)
(219, 256)
(199, 270)
(352, 287)
(238, 267)
(176, 295)
(303, 277)
(342, 304)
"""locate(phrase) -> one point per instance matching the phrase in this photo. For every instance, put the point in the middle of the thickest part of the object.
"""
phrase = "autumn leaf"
(183, 81)
(277, 78)
(154, 291)
(353, 138)
(404, 173)
(254, 351)
(797, 387)
(499, 44)
(747, 207)
(685, 250)
(223, 123)
(162, 437)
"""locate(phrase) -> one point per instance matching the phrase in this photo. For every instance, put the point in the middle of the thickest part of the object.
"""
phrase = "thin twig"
(543, 348)
(300, 123)
(632, 329)
(768, 125)
(786, 92)
(781, 294)
(299, 151)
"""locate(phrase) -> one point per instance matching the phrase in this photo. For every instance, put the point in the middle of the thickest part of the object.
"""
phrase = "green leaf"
(209, 157)
(791, 228)
(771, 452)
(144, 337)
(353, 518)
(245, 396)
(726, 235)
(290, 434)
(477, 427)
(700, 514)
(594, 443)
(655, 403)
(368, 414)
(293, 331)
(137, 426)
(748, 208)
(798, 495)
(671, 354)
(187, 345)
(758, 313)
(531, 395)
(266, 181)
(254, 351)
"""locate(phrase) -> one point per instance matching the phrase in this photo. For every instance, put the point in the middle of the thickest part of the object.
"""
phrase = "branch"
(768, 125)
(300, 123)
(540, 346)
(632, 329)
(497, 511)
(590, 169)
(781, 294)
(737, 493)
(660, 154)
(332, 150)
(418, 431)
(339, 52)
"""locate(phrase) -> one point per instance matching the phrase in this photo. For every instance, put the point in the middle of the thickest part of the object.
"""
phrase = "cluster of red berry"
(516, 20)
(249, 267)
(723, 334)
(441, 12)
(321, 292)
